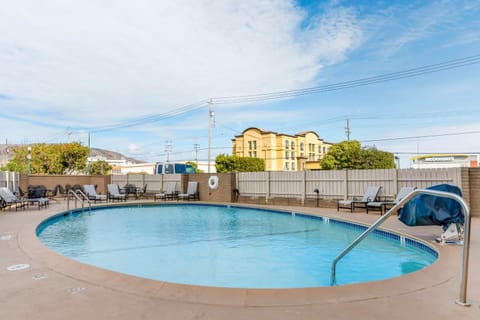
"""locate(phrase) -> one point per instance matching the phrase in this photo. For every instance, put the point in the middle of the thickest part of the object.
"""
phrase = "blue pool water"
(229, 246)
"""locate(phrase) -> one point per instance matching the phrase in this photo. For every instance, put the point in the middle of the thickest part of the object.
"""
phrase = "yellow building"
(281, 152)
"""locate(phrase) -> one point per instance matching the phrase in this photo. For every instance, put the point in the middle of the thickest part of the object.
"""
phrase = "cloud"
(399, 26)
(99, 62)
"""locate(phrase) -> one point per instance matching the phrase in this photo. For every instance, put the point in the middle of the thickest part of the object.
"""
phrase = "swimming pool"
(228, 246)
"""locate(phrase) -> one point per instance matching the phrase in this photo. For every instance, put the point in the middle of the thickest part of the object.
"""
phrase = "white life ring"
(213, 182)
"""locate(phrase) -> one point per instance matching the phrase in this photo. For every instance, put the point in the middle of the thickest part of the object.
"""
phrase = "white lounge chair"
(9, 199)
(169, 193)
(92, 193)
(192, 192)
(382, 205)
(114, 193)
(370, 195)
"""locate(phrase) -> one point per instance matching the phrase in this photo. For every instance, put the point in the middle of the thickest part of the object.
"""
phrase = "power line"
(423, 136)
(414, 72)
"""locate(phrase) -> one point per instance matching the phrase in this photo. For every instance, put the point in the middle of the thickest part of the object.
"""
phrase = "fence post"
(267, 188)
(395, 182)
(304, 186)
(345, 184)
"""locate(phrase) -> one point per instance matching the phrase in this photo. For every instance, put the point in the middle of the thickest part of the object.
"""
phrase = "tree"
(226, 163)
(50, 158)
(100, 167)
(195, 167)
(351, 155)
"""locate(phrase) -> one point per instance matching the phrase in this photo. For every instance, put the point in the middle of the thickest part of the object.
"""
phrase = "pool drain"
(75, 290)
(6, 236)
(17, 267)
(40, 276)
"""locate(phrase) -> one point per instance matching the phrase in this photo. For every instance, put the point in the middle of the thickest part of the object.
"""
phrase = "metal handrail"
(462, 300)
(83, 198)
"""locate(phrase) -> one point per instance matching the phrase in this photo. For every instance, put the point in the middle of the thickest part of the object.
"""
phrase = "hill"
(94, 152)
(111, 155)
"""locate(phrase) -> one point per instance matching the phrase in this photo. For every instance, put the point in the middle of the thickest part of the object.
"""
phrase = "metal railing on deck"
(80, 196)
(462, 300)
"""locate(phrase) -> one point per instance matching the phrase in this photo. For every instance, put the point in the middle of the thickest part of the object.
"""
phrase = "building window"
(293, 155)
(293, 165)
(286, 144)
(249, 145)
(324, 149)
(301, 146)
(286, 166)
(254, 154)
(254, 144)
(292, 145)
(250, 154)
(286, 154)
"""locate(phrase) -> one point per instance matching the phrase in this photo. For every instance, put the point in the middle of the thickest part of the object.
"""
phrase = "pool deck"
(55, 287)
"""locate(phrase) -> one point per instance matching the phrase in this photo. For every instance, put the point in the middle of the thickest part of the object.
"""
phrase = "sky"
(137, 76)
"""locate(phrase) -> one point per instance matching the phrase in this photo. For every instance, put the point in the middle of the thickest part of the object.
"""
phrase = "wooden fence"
(154, 183)
(339, 184)
(9, 180)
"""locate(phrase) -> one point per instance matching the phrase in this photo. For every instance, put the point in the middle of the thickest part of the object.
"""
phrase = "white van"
(173, 167)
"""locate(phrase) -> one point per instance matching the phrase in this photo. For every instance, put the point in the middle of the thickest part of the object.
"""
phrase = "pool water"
(229, 246)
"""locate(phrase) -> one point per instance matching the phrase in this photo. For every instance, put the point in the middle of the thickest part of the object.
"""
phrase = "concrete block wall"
(473, 191)
(224, 192)
(50, 181)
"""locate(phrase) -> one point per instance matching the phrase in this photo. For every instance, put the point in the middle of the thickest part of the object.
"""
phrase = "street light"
(29, 157)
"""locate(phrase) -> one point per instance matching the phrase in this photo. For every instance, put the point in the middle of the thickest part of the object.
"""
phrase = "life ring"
(213, 182)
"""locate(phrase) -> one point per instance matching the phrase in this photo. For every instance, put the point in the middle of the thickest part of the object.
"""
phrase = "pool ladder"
(462, 300)
(80, 196)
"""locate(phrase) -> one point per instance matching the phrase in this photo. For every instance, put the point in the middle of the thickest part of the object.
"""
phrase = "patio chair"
(382, 205)
(8, 199)
(370, 195)
(92, 193)
(192, 192)
(142, 192)
(169, 193)
(114, 193)
(35, 195)
(130, 189)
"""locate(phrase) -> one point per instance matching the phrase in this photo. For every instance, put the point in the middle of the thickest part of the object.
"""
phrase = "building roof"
(439, 155)
(263, 131)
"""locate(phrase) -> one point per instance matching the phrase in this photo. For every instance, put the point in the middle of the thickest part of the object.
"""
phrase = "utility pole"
(347, 130)
(168, 149)
(69, 133)
(210, 126)
(196, 147)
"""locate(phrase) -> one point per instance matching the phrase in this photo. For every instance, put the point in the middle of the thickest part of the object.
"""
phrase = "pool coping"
(431, 276)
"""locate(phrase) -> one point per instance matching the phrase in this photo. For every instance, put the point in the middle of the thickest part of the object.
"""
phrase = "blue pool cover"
(425, 209)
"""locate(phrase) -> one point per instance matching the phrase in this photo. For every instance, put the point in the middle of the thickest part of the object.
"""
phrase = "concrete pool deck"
(55, 287)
